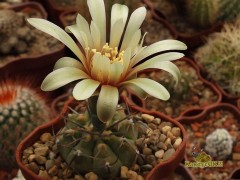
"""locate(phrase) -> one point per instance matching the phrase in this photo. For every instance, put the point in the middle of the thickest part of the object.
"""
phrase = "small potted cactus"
(20, 42)
(100, 137)
(214, 132)
(219, 57)
(22, 109)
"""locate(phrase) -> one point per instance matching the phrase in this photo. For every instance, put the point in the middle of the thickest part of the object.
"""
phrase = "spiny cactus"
(219, 144)
(85, 149)
(21, 110)
(220, 57)
(14, 35)
(202, 12)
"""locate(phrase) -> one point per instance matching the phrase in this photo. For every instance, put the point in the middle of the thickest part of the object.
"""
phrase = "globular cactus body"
(228, 9)
(21, 110)
(219, 144)
(202, 13)
(103, 153)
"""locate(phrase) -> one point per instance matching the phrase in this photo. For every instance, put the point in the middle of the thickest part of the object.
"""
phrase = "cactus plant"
(21, 110)
(202, 13)
(219, 144)
(101, 139)
(220, 58)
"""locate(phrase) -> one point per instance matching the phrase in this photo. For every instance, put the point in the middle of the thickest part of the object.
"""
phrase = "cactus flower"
(105, 67)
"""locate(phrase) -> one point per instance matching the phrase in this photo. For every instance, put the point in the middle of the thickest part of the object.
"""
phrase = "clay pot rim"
(192, 109)
(232, 173)
(40, 129)
(238, 103)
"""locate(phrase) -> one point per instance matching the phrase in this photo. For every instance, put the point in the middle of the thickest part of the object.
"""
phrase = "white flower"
(106, 67)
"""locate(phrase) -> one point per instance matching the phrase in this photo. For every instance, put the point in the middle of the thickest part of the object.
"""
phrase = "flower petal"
(83, 26)
(134, 24)
(57, 33)
(135, 40)
(85, 88)
(98, 14)
(150, 86)
(68, 62)
(61, 77)
(126, 61)
(119, 16)
(156, 61)
(100, 68)
(157, 47)
(107, 102)
(115, 71)
(77, 33)
(96, 36)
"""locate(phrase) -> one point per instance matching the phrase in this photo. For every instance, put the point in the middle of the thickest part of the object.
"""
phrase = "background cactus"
(202, 12)
(228, 9)
(21, 110)
(219, 144)
(101, 152)
(220, 57)
(14, 34)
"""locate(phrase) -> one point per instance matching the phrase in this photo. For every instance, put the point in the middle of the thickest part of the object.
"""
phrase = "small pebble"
(177, 143)
(40, 159)
(45, 137)
(176, 131)
(165, 129)
(159, 154)
(147, 151)
(168, 154)
(124, 171)
(34, 167)
(148, 118)
(91, 176)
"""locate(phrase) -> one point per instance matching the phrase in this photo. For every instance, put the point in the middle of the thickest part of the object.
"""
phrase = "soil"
(191, 92)
(41, 43)
(196, 136)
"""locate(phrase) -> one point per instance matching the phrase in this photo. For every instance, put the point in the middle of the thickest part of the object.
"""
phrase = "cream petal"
(136, 91)
(68, 62)
(134, 24)
(150, 86)
(98, 14)
(116, 69)
(135, 40)
(61, 77)
(95, 35)
(126, 61)
(85, 89)
(77, 33)
(83, 26)
(157, 47)
(59, 34)
(107, 102)
(119, 16)
(100, 68)
(154, 62)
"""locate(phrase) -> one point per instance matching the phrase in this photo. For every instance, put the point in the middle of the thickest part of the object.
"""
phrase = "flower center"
(111, 53)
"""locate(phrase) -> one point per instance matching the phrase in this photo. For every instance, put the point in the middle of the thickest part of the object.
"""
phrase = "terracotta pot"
(23, 64)
(191, 110)
(56, 124)
(58, 103)
(62, 17)
(182, 171)
(235, 175)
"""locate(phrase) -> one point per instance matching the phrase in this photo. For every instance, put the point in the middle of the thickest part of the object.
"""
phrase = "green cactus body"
(202, 13)
(86, 149)
(21, 110)
(229, 9)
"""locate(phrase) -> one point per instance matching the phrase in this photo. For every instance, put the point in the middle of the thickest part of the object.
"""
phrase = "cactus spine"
(21, 110)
